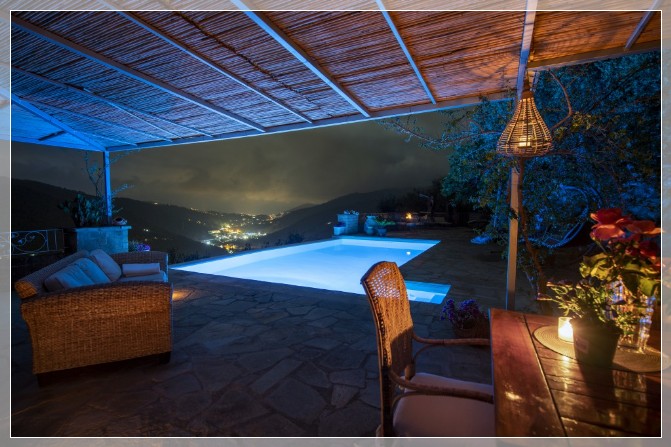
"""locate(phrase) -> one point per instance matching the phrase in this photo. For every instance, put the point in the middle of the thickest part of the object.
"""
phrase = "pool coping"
(318, 241)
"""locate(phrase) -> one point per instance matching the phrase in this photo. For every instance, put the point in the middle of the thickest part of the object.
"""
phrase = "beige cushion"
(445, 416)
(92, 270)
(160, 276)
(66, 278)
(106, 264)
(140, 269)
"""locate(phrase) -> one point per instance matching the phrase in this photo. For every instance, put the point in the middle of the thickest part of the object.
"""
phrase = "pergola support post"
(107, 197)
(513, 230)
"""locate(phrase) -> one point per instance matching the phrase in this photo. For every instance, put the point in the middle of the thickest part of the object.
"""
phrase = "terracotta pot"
(480, 330)
(594, 343)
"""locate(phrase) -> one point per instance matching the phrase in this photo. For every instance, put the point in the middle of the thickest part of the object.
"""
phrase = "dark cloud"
(268, 173)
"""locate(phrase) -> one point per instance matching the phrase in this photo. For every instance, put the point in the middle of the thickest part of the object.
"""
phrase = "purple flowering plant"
(466, 315)
(138, 246)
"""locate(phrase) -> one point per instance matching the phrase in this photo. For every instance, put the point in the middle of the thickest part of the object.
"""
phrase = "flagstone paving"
(259, 359)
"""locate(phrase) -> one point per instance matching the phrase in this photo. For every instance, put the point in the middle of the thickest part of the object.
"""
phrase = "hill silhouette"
(316, 222)
(163, 227)
(179, 229)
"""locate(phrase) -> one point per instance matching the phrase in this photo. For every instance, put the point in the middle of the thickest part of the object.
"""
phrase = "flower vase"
(622, 304)
(636, 330)
(644, 324)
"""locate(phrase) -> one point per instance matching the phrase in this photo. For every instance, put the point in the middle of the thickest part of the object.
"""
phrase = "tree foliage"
(605, 121)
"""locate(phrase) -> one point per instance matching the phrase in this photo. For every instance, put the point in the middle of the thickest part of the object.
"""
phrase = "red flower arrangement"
(629, 252)
(620, 284)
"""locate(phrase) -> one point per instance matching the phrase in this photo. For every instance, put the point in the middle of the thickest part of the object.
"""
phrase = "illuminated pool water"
(335, 264)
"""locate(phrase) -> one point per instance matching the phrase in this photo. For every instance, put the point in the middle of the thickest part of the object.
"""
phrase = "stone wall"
(113, 239)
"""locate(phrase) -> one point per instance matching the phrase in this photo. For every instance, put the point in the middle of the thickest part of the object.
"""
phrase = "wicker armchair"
(100, 323)
(419, 404)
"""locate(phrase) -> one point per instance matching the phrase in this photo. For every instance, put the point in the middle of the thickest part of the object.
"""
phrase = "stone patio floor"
(260, 360)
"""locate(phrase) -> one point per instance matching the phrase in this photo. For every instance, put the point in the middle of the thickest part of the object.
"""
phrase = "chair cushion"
(140, 269)
(434, 380)
(66, 278)
(92, 270)
(106, 264)
(160, 276)
(445, 416)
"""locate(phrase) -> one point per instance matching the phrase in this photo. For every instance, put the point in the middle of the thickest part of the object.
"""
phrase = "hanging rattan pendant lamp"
(526, 135)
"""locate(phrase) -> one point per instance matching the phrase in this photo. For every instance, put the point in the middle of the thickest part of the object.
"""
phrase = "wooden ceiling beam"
(642, 24)
(390, 113)
(92, 144)
(527, 39)
(95, 120)
(280, 37)
(132, 111)
(406, 51)
(592, 56)
(50, 142)
(130, 72)
(52, 135)
(207, 61)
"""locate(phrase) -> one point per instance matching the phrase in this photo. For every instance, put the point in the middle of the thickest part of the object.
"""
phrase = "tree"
(96, 175)
(605, 120)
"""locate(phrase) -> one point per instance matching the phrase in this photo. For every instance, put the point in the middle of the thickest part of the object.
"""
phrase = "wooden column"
(513, 229)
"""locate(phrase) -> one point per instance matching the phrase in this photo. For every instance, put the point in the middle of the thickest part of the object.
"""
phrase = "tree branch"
(619, 83)
(405, 130)
(568, 102)
(434, 141)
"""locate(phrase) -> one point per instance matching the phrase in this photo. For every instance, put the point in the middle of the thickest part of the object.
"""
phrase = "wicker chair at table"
(96, 324)
(419, 404)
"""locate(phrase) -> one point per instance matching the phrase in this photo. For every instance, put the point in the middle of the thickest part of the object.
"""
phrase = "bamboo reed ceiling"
(127, 80)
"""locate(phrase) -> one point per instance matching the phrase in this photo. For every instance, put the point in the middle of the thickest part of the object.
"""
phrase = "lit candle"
(565, 330)
(524, 141)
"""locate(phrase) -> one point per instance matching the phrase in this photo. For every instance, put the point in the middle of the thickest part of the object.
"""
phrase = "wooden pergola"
(119, 80)
(112, 81)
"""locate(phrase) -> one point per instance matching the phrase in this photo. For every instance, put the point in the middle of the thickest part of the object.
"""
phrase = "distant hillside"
(300, 207)
(316, 221)
(35, 206)
(166, 227)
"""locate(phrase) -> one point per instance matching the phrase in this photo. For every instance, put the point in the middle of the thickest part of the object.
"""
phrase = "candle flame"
(565, 330)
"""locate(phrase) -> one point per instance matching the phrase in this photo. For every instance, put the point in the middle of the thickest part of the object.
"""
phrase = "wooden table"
(538, 392)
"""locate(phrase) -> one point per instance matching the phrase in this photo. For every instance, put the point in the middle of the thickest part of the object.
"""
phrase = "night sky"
(264, 174)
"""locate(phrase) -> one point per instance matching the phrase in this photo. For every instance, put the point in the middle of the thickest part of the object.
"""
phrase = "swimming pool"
(335, 264)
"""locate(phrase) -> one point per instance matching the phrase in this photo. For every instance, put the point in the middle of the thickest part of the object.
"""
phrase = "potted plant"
(91, 230)
(370, 225)
(381, 225)
(619, 285)
(629, 253)
(84, 211)
(468, 320)
(596, 329)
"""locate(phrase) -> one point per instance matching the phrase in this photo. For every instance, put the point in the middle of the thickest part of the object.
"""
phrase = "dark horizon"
(257, 175)
(212, 210)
